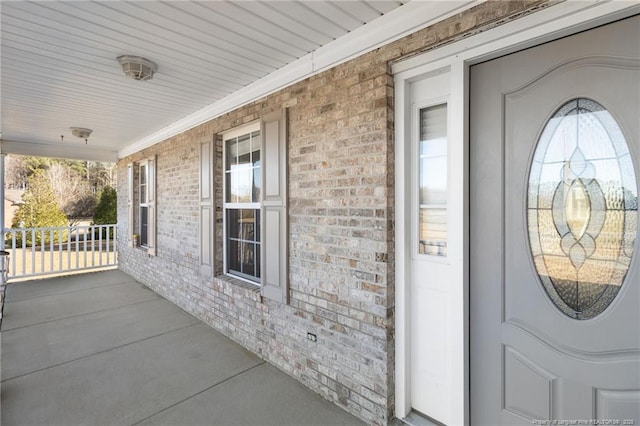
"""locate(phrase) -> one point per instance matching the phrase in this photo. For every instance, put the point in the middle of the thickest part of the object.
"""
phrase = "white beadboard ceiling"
(59, 68)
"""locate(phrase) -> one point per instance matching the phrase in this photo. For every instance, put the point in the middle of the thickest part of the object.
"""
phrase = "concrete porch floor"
(102, 349)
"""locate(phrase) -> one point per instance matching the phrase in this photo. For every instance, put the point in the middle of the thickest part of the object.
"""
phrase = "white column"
(2, 219)
(3, 272)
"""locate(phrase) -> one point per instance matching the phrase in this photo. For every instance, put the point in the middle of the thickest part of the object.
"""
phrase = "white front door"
(554, 266)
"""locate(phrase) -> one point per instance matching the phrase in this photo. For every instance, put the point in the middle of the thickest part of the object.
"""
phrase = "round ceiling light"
(137, 68)
(80, 132)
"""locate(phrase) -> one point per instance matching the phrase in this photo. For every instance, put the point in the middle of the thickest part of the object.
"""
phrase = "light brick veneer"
(341, 202)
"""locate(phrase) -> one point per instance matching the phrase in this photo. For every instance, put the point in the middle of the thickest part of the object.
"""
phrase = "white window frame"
(134, 206)
(415, 176)
(143, 205)
(554, 22)
(256, 206)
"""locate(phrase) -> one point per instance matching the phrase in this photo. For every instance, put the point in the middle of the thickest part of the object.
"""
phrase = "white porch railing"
(47, 251)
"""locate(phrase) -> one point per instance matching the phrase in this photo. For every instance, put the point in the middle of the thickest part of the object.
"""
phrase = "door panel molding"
(593, 60)
(518, 399)
(590, 356)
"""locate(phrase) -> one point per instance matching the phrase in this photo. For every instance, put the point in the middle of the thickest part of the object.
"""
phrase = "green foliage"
(39, 210)
(81, 207)
(106, 212)
(34, 164)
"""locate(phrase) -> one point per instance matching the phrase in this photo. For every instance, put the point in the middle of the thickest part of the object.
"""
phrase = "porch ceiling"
(59, 68)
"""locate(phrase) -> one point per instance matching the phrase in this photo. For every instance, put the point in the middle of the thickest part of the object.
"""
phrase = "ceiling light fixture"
(81, 132)
(137, 68)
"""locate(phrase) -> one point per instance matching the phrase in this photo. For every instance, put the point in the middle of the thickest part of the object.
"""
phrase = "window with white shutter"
(255, 224)
(141, 204)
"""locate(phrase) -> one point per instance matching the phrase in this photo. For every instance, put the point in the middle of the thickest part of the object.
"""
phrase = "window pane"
(227, 185)
(433, 231)
(233, 223)
(432, 175)
(257, 182)
(247, 225)
(257, 260)
(243, 169)
(143, 174)
(257, 222)
(233, 256)
(231, 150)
(144, 225)
(433, 179)
(247, 259)
(243, 149)
(143, 184)
(243, 239)
(241, 183)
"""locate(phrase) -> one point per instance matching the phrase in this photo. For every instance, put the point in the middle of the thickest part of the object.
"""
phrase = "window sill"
(247, 285)
(230, 285)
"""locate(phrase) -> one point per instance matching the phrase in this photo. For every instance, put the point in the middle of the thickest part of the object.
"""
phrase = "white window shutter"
(274, 246)
(151, 197)
(207, 207)
(130, 208)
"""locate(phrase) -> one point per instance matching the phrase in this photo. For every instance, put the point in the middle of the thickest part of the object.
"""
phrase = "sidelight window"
(432, 171)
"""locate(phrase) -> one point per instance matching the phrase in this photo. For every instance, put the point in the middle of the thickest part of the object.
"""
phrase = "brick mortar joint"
(493, 23)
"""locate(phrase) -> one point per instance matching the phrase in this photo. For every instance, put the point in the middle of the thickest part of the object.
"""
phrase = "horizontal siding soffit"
(390, 27)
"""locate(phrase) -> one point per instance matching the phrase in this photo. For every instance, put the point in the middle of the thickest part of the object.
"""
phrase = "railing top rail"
(58, 227)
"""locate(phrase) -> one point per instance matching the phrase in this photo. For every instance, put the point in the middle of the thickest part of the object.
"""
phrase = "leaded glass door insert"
(582, 208)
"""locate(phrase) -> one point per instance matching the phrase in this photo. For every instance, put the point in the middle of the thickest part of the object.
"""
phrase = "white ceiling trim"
(390, 27)
(78, 151)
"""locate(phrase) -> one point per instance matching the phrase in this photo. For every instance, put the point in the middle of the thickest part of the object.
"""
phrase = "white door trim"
(551, 23)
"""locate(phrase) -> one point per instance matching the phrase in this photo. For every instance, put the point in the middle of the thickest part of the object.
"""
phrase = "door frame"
(548, 24)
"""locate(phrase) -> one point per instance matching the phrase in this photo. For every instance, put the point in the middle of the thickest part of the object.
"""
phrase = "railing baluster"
(60, 251)
(33, 250)
(25, 243)
(112, 236)
(114, 247)
(24, 250)
(85, 249)
(42, 245)
(100, 230)
(77, 240)
(13, 252)
(51, 237)
(93, 250)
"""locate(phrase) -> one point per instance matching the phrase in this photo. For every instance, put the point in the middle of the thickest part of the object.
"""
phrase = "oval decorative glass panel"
(582, 208)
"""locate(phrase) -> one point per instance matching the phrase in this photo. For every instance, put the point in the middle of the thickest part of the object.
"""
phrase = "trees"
(59, 193)
(72, 193)
(15, 172)
(106, 212)
(74, 183)
(39, 209)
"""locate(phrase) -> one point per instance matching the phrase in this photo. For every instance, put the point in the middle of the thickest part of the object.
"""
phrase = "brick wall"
(341, 202)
